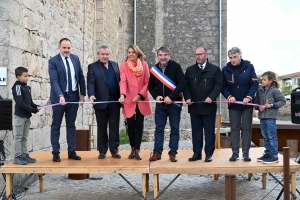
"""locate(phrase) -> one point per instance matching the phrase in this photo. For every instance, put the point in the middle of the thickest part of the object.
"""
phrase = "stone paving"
(193, 187)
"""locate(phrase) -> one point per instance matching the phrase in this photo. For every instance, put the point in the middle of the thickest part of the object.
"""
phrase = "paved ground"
(193, 187)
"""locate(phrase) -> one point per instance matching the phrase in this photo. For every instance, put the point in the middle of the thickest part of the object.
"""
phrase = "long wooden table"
(90, 164)
(219, 165)
(286, 130)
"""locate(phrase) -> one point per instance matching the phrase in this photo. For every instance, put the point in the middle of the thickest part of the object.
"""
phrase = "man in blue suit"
(67, 82)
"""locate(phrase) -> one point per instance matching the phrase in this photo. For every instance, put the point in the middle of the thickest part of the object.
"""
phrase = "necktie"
(69, 78)
(201, 67)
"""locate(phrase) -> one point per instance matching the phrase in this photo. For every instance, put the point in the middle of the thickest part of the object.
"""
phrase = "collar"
(64, 58)
(204, 64)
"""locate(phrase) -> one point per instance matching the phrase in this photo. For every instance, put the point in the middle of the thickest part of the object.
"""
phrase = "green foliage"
(298, 79)
(124, 139)
(287, 90)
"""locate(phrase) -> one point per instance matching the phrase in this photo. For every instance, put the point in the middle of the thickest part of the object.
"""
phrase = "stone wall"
(181, 25)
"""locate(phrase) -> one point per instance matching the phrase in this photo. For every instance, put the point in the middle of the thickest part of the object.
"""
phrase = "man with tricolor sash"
(166, 85)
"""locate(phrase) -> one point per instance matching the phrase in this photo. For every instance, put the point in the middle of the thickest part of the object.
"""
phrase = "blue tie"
(201, 67)
(69, 78)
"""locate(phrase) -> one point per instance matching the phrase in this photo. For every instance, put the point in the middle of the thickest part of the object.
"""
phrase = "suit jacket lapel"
(100, 66)
(115, 67)
(62, 64)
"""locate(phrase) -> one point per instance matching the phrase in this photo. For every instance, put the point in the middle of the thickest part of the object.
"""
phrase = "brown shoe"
(116, 155)
(138, 155)
(173, 157)
(102, 155)
(155, 157)
(132, 154)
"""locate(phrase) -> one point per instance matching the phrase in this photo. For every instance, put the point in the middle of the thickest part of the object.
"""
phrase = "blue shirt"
(112, 84)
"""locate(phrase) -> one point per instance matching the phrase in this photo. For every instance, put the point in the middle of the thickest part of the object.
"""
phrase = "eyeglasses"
(199, 54)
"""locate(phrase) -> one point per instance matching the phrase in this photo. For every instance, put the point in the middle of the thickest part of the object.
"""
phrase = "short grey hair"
(235, 50)
(201, 46)
(103, 47)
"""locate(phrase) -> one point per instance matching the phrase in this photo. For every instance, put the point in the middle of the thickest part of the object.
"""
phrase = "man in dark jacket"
(239, 84)
(204, 84)
(103, 79)
(166, 85)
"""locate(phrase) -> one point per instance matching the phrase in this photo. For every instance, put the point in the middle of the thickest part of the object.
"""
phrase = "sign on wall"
(3, 75)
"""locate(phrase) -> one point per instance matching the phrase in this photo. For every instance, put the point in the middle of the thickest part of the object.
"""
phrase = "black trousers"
(206, 122)
(135, 129)
(111, 116)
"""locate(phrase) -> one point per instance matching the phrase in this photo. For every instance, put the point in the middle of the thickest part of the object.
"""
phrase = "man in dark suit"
(204, 84)
(103, 79)
(67, 82)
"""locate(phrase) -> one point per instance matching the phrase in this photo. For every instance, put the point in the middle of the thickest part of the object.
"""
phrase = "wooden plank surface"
(219, 165)
(89, 163)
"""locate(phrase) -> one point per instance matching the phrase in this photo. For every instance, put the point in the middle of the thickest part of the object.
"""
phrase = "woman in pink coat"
(134, 90)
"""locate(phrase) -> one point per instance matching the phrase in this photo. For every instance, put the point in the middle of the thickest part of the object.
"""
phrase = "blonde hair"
(138, 52)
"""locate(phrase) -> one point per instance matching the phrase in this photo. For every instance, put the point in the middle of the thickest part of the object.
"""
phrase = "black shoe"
(195, 157)
(74, 156)
(208, 159)
(116, 155)
(56, 157)
(102, 155)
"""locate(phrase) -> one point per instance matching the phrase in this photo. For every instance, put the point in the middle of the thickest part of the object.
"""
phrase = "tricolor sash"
(164, 79)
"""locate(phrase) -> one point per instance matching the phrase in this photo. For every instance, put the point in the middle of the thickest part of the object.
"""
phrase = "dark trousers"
(238, 118)
(135, 129)
(110, 115)
(70, 112)
(206, 122)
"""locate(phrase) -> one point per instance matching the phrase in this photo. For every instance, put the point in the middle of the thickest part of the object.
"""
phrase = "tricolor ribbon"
(176, 102)
(164, 79)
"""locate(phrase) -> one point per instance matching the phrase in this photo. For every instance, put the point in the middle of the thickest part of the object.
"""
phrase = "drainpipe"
(83, 50)
(134, 28)
(220, 46)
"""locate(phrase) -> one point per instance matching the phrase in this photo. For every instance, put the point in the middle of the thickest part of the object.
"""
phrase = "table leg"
(216, 176)
(41, 179)
(144, 185)
(264, 180)
(156, 185)
(147, 186)
(293, 183)
(249, 176)
(8, 186)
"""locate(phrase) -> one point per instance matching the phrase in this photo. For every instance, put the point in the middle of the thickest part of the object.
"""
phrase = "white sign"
(3, 75)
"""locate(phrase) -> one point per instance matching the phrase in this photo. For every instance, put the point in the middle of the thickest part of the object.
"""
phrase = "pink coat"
(130, 85)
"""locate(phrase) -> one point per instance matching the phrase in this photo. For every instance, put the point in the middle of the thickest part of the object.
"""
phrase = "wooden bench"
(219, 165)
(90, 164)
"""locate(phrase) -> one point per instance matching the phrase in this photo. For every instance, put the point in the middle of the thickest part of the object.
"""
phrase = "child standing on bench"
(272, 99)
(23, 109)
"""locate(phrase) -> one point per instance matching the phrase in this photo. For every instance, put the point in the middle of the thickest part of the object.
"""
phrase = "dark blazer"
(203, 84)
(96, 82)
(58, 77)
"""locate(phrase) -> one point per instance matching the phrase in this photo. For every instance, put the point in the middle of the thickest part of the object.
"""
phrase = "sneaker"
(246, 157)
(19, 160)
(28, 158)
(265, 156)
(271, 159)
(234, 157)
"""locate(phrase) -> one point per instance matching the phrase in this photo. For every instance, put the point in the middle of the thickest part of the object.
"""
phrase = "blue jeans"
(269, 133)
(162, 111)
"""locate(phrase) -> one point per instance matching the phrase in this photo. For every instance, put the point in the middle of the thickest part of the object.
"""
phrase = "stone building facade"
(30, 31)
